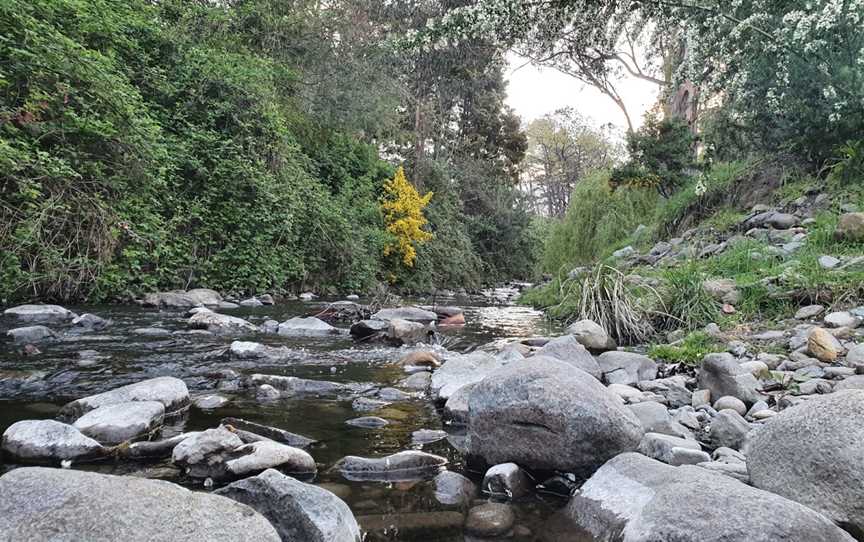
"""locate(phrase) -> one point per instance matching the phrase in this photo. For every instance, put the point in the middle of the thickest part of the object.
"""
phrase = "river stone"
(203, 455)
(30, 334)
(460, 371)
(272, 433)
(306, 327)
(672, 450)
(402, 332)
(490, 520)
(842, 319)
(452, 488)
(508, 481)
(171, 300)
(417, 381)
(722, 290)
(40, 313)
(266, 392)
(854, 382)
(729, 429)
(646, 500)
(855, 357)
(247, 349)
(823, 346)
(568, 350)
(373, 422)
(656, 419)
(722, 375)
(298, 511)
(113, 424)
(251, 302)
(91, 322)
(171, 392)
(411, 314)
(367, 328)
(266, 454)
(546, 414)
(48, 441)
(636, 366)
(733, 403)
(811, 453)
(402, 466)
(673, 389)
(295, 385)
(850, 227)
(808, 312)
(42, 504)
(205, 296)
(221, 323)
(456, 407)
(591, 335)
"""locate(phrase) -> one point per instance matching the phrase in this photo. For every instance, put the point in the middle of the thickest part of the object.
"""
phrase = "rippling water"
(79, 365)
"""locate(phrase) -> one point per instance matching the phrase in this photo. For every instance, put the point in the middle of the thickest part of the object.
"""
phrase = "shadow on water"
(78, 365)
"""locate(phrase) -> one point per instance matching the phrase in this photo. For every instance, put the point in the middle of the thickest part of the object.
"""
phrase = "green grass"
(689, 351)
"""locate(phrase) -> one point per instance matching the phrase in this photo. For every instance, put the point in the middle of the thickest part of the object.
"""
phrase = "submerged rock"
(58, 504)
(454, 489)
(297, 510)
(295, 385)
(306, 327)
(272, 433)
(648, 500)
(113, 424)
(171, 392)
(491, 519)
(40, 313)
(408, 465)
(545, 414)
(48, 441)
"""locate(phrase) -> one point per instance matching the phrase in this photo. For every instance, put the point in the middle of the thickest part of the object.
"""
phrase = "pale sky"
(534, 91)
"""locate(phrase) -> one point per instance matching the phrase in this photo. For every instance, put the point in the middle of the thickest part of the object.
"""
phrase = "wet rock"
(401, 332)
(30, 334)
(811, 453)
(635, 494)
(372, 422)
(636, 366)
(427, 436)
(454, 489)
(121, 422)
(728, 429)
(490, 520)
(272, 433)
(366, 329)
(459, 371)
(656, 419)
(365, 404)
(293, 385)
(297, 510)
(306, 327)
(203, 455)
(456, 407)
(412, 526)
(59, 504)
(392, 394)
(210, 402)
(48, 441)
(267, 454)
(850, 227)
(151, 332)
(418, 381)
(591, 335)
(158, 449)
(546, 414)
(171, 300)
(568, 350)
(221, 324)
(408, 465)
(822, 345)
(90, 322)
(266, 392)
(508, 481)
(722, 375)
(251, 302)
(171, 392)
(410, 314)
(420, 359)
(39, 313)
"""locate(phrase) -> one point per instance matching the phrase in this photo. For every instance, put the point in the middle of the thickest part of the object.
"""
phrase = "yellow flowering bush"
(403, 208)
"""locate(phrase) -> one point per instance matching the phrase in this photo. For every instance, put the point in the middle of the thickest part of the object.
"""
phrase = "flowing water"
(78, 365)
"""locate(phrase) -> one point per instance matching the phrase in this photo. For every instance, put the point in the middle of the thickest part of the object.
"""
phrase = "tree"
(402, 207)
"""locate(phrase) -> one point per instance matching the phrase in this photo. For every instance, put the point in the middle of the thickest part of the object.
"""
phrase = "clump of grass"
(687, 305)
(689, 351)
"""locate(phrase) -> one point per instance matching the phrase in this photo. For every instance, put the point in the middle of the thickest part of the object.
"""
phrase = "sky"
(534, 91)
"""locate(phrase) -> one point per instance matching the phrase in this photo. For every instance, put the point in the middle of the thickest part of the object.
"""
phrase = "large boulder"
(635, 498)
(306, 327)
(171, 392)
(626, 367)
(299, 511)
(722, 375)
(113, 424)
(811, 453)
(547, 414)
(221, 324)
(171, 300)
(567, 349)
(42, 504)
(460, 371)
(591, 335)
(411, 314)
(43, 441)
(205, 296)
(40, 313)
(30, 334)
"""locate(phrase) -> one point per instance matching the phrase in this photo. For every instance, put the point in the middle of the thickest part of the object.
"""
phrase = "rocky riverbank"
(613, 443)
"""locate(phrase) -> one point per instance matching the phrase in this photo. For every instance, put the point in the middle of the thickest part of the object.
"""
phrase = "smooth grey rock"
(306, 327)
(722, 375)
(368, 422)
(205, 296)
(365, 329)
(546, 414)
(427, 436)
(366, 404)
(456, 407)
(623, 253)
(454, 489)
(645, 500)
(90, 322)
(221, 324)
(151, 332)
(157, 449)
(42, 504)
(460, 371)
(628, 394)
(251, 302)
(656, 419)
(113, 424)
(491, 519)
(203, 455)
(418, 381)
(411, 314)
(39, 313)
(673, 389)
(842, 319)
(723, 290)
(811, 453)
(294, 385)
(728, 429)
(636, 366)
(210, 402)
(828, 262)
(266, 392)
(736, 471)
(591, 335)
(297, 510)
(809, 312)
(758, 406)
(733, 403)
(171, 300)
(48, 441)
(272, 433)
(672, 450)
(855, 382)
(171, 392)
(402, 466)
(405, 332)
(855, 357)
(568, 350)
(30, 334)
(782, 221)
(508, 481)
(267, 454)
(247, 350)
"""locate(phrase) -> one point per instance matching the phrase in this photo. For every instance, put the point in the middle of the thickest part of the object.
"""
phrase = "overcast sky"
(533, 92)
